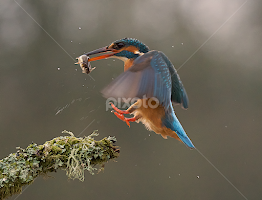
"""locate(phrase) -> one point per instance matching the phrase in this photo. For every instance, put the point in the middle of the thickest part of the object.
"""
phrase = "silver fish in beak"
(84, 64)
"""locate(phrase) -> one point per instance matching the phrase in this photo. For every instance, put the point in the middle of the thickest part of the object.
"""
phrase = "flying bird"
(151, 78)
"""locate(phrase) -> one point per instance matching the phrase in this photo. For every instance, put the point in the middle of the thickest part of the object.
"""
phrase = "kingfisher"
(151, 79)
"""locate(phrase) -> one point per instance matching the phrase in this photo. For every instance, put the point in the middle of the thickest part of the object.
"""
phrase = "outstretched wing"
(178, 93)
(149, 76)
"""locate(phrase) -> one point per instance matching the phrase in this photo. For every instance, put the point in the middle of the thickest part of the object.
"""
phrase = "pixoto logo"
(146, 102)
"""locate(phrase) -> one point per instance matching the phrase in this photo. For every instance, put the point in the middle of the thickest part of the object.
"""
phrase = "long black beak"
(101, 50)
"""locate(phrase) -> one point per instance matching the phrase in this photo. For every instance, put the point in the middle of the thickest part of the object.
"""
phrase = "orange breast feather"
(128, 64)
(152, 119)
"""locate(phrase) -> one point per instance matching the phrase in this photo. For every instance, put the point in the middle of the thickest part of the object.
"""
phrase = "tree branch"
(74, 155)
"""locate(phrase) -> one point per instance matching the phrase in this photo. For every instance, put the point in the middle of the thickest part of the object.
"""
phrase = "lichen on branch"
(73, 154)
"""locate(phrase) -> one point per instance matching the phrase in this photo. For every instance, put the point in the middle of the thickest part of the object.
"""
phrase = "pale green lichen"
(75, 155)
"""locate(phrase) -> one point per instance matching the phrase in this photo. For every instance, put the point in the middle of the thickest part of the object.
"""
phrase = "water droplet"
(71, 41)
(114, 60)
(169, 177)
(76, 69)
(148, 134)
(182, 43)
(225, 126)
(79, 43)
(83, 85)
(58, 68)
(197, 176)
(178, 174)
(173, 46)
(79, 28)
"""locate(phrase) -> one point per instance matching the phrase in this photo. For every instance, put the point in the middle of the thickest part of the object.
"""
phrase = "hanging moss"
(74, 155)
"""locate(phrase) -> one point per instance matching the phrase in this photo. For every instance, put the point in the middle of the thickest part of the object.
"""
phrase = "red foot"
(118, 110)
(127, 120)
(132, 119)
(122, 117)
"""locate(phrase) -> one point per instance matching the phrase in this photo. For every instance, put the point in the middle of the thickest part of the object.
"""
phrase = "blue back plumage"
(178, 93)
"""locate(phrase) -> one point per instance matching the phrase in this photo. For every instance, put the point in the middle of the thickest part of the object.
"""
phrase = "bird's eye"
(119, 45)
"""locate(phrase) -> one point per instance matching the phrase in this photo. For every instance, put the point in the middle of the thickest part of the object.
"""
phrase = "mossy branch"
(75, 155)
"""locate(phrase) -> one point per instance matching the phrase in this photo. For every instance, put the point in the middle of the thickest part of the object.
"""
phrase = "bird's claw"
(122, 117)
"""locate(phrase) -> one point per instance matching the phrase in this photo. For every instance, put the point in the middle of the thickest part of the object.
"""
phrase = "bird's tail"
(171, 122)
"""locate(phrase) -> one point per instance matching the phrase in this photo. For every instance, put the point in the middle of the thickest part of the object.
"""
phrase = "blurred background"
(216, 45)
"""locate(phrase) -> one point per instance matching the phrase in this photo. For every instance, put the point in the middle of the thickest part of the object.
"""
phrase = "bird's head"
(123, 49)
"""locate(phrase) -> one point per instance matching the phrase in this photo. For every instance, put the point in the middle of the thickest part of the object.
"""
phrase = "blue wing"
(178, 93)
(149, 76)
(153, 75)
